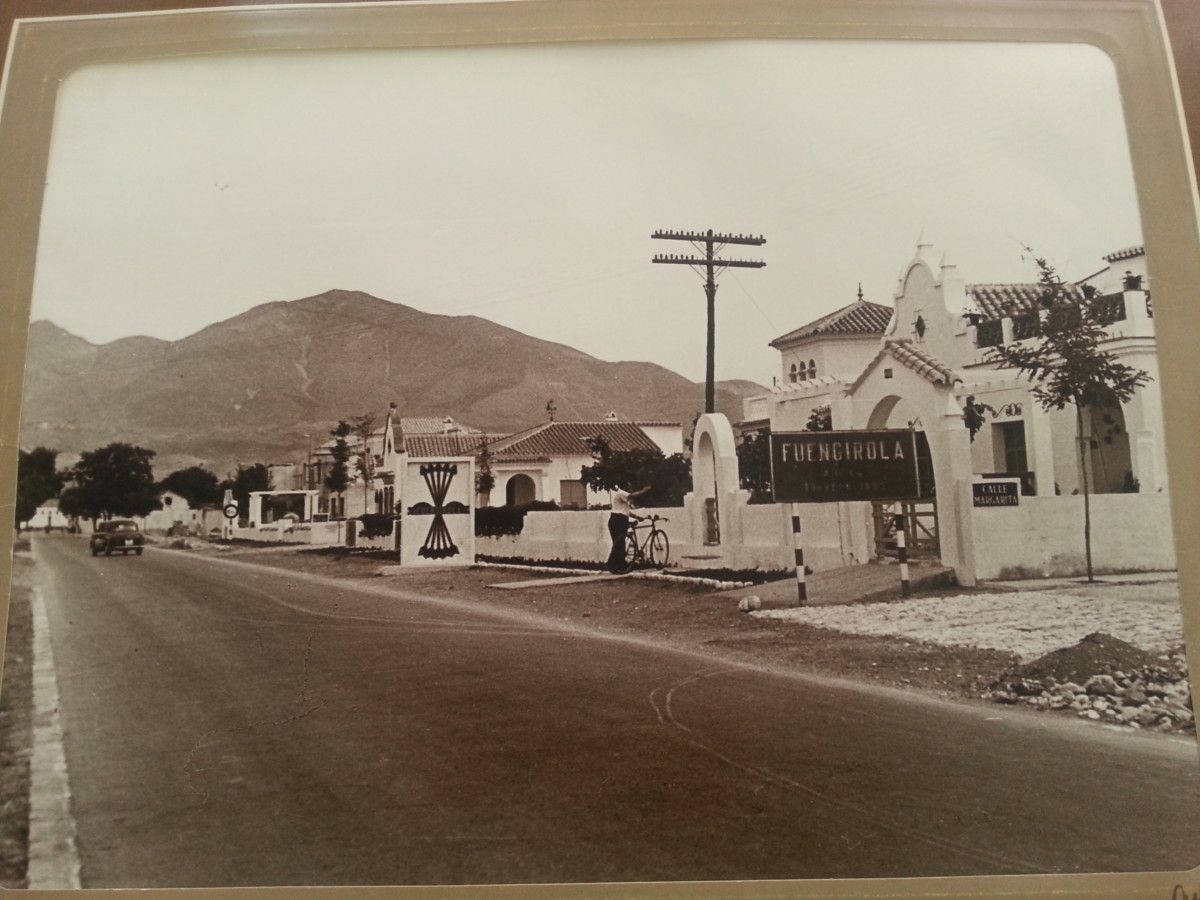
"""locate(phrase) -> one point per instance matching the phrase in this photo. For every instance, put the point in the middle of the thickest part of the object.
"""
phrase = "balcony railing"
(1107, 310)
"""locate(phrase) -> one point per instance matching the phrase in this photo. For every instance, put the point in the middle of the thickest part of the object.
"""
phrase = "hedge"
(494, 521)
(376, 525)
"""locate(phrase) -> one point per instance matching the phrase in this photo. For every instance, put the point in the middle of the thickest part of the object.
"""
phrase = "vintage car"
(117, 536)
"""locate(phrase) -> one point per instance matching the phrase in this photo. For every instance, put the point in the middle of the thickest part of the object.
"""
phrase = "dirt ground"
(15, 732)
(693, 617)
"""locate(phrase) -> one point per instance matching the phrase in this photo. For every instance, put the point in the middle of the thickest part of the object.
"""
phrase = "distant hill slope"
(249, 388)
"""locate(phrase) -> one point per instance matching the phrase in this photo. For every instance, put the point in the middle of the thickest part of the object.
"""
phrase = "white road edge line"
(53, 854)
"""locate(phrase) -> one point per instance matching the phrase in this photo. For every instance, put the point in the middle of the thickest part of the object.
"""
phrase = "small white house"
(176, 513)
(47, 516)
(546, 462)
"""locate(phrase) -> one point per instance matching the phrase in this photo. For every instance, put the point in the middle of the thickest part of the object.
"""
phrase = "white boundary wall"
(835, 534)
(317, 533)
(1043, 536)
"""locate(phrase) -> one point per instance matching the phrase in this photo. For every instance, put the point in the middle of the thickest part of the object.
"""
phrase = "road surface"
(226, 724)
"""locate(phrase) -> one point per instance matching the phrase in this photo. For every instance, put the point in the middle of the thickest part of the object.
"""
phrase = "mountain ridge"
(253, 386)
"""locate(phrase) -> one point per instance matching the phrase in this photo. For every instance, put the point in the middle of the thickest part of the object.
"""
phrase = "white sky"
(521, 184)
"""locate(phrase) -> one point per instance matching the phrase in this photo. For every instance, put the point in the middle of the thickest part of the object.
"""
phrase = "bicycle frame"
(640, 555)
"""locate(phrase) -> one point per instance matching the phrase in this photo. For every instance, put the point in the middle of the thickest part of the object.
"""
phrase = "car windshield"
(121, 526)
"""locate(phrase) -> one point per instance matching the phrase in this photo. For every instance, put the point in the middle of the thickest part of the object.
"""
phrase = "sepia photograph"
(573, 459)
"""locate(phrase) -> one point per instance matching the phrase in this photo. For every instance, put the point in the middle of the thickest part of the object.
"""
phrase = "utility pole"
(709, 243)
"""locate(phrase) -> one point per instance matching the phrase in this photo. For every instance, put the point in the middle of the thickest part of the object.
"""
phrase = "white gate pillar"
(950, 447)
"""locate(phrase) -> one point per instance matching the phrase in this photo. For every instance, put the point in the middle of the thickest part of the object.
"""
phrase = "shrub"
(376, 525)
(494, 521)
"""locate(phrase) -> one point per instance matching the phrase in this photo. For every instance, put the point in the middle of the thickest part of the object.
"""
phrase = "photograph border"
(42, 52)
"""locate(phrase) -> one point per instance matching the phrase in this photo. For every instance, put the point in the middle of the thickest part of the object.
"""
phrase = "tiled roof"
(1126, 253)
(862, 317)
(567, 439)
(912, 358)
(922, 363)
(994, 300)
(424, 446)
(420, 425)
(428, 425)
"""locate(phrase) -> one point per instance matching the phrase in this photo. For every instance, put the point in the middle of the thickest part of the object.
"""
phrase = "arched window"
(792, 374)
(812, 369)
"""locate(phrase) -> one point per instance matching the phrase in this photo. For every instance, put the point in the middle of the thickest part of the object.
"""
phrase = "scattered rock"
(1101, 685)
(749, 604)
(1103, 677)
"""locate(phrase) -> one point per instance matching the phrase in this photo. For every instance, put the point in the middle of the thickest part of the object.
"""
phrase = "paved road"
(225, 724)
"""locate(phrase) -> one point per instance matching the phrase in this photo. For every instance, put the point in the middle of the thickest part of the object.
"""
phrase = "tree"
(973, 415)
(363, 426)
(820, 419)
(669, 477)
(195, 484)
(70, 503)
(1069, 367)
(754, 465)
(115, 480)
(254, 477)
(338, 478)
(37, 481)
(484, 479)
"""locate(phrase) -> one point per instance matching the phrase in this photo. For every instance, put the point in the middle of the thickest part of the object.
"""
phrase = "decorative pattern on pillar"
(438, 543)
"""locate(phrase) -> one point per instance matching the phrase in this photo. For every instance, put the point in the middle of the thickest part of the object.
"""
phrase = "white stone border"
(53, 854)
(646, 576)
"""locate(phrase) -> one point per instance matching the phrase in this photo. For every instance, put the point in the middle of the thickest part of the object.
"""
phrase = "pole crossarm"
(703, 261)
(715, 237)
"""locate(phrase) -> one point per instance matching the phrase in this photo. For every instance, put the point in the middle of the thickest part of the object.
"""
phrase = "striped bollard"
(902, 553)
(798, 544)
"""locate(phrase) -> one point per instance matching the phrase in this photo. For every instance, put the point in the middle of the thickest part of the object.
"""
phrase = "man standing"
(618, 526)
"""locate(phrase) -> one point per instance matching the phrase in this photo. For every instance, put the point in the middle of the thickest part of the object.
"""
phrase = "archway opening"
(1110, 466)
(704, 485)
(920, 513)
(520, 490)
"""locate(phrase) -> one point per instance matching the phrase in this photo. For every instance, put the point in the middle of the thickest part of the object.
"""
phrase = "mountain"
(251, 387)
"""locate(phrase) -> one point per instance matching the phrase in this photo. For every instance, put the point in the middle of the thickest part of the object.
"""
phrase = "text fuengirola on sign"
(828, 466)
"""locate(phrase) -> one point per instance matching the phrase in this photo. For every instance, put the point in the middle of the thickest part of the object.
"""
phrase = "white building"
(920, 363)
(546, 462)
(46, 516)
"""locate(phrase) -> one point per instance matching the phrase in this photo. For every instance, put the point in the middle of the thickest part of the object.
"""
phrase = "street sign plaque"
(828, 466)
(996, 493)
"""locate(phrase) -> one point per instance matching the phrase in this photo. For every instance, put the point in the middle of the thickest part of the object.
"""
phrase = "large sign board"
(828, 466)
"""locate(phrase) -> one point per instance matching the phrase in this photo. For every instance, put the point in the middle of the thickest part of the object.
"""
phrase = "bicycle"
(655, 549)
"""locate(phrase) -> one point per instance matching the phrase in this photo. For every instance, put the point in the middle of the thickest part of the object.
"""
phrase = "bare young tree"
(1068, 365)
(363, 427)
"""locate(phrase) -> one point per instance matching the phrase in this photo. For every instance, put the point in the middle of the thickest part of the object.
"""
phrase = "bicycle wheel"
(631, 553)
(660, 549)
